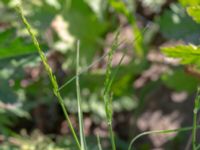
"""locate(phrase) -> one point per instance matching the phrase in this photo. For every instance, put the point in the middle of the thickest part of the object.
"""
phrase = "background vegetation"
(138, 71)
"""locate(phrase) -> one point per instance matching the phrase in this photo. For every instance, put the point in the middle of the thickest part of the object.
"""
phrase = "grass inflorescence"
(49, 71)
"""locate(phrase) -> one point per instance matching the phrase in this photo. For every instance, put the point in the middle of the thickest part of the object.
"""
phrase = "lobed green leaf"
(188, 54)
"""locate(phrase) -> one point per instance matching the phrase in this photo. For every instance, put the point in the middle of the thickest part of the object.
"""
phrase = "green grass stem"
(120, 7)
(108, 83)
(195, 112)
(99, 143)
(87, 68)
(80, 113)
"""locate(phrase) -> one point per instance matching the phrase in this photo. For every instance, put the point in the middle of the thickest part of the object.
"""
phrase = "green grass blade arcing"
(193, 128)
(159, 132)
(50, 74)
(80, 114)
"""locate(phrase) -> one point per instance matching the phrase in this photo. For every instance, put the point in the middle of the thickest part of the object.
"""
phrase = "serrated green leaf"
(188, 54)
(194, 12)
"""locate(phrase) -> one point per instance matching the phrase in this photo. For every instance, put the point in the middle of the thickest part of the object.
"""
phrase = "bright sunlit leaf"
(194, 12)
(188, 54)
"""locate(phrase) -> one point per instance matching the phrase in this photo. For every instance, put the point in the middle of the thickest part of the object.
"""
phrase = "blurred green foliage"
(176, 24)
(58, 24)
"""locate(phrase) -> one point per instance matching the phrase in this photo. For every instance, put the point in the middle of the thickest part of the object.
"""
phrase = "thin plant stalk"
(122, 58)
(50, 74)
(86, 69)
(99, 143)
(80, 114)
(189, 143)
(195, 112)
(108, 83)
(139, 45)
(101, 58)
(112, 135)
